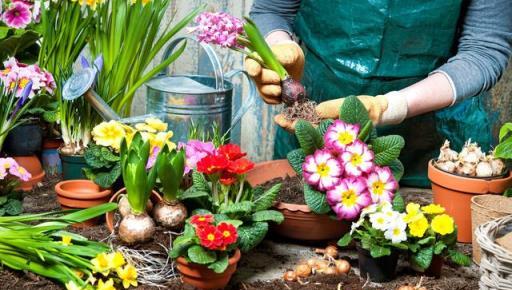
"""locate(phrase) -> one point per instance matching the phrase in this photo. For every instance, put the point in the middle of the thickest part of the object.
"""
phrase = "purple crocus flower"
(25, 93)
(18, 15)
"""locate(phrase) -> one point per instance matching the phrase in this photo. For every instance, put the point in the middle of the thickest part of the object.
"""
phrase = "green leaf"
(193, 193)
(345, 240)
(296, 159)
(199, 182)
(13, 207)
(504, 149)
(251, 235)
(268, 215)
(199, 255)
(505, 130)
(397, 169)
(243, 207)
(309, 138)
(266, 200)
(439, 248)
(235, 223)
(426, 240)
(221, 264)
(423, 257)
(353, 111)
(398, 202)
(378, 251)
(323, 126)
(180, 246)
(387, 148)
(3, 199)
(106, 179)
(508, 192)
(365, 131)
(317, 201)
(459, 258)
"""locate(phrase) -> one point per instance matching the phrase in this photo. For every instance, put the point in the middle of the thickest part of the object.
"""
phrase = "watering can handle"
(247, 104)
(217, 68)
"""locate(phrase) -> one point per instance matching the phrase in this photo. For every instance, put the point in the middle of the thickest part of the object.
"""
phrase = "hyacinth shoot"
(225, 30)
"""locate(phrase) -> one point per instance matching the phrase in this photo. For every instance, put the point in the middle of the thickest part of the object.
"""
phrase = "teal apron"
(371, 47)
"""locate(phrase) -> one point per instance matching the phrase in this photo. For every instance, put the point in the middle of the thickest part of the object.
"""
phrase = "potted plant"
(458, 176)
(334, 157)
(432, 237)
(11, 174)
(220, 187)
(206, 252)
(381, 234)
(170, 164)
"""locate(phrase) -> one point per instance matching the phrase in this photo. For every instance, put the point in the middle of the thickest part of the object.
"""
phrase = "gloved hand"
(387, 109)
(291, 56)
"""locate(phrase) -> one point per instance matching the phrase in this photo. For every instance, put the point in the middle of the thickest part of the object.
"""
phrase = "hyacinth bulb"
(292, 92)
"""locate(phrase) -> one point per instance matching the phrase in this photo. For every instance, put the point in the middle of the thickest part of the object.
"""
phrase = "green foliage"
(242, 208)
(387, 149)
(268, 216)
(423, 258)
(397, 168)
(366, 131)
(309, 138)
(199, 255)
(345, 240)
(104, 166)
(170, 166)
(378, 251)
(19, 43)
(250, 235)
(353, 111)
(296, 159)
(398, 202)
(323, 126)
(10, 198)
(266, 200)
(316, 201)
(221, 264)
(508, 192)
(459, 258)
(504, 149)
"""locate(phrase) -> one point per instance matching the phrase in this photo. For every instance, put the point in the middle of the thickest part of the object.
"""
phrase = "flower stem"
(239, 195)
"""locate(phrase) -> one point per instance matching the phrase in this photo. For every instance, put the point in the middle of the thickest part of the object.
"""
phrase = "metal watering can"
(184, 101)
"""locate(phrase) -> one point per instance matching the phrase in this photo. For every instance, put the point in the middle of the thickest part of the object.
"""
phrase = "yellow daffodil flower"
(91, 3)
(145, 128)
(101, 264)
(418, 227)
(109, 285)
(128, 275)
(109, 134)
(66, 240)
(116, 260)
(433, 209)
(156, 124)
(443, 224)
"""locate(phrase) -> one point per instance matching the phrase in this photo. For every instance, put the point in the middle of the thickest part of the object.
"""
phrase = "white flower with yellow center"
(396, 231)
(380, 221)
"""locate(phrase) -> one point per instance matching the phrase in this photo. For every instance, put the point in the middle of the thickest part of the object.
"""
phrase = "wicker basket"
(496, 263)
(485, 208)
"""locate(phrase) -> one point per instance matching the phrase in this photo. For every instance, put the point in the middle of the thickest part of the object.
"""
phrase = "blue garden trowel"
(81, 84)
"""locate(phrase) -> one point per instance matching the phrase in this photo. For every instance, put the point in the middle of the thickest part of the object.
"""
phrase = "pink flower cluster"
(196, 150)
(345, 170)
(17, 75)
(20, 13)
(10, 166)
(218, 28)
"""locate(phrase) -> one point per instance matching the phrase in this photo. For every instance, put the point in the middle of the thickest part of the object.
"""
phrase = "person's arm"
(484, 49)
(275, 18)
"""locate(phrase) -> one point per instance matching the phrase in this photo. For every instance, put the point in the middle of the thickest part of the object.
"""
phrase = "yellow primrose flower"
(413, 213)
(101, 264)
(116, 260)
(418, 227)
(109, 133)
(163, 138)
(109, 285)
(71, 285)
(433, 209)
(145, 128)
(91, 3)
(156, 124)
(128, 275)
(66, 240)
(443, 224)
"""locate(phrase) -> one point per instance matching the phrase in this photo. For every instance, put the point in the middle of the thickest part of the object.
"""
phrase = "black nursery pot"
(24, 140)
(382, 269)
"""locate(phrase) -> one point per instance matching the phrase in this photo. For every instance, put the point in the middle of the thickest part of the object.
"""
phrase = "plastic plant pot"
(24, 140)
(72, 166)
(382, 269)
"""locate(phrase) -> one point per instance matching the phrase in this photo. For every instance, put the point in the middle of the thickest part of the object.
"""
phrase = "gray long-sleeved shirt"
(484, 47)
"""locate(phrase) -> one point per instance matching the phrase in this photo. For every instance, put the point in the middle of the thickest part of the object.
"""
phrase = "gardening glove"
(388, 109)
(291, 56)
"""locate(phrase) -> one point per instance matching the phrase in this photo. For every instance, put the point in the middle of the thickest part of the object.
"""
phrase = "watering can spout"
(81, 84)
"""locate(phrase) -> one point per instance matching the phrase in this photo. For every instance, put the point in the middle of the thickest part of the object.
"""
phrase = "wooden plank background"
(256, 133)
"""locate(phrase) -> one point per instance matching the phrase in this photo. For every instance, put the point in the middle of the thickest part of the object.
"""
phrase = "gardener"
(430, 65)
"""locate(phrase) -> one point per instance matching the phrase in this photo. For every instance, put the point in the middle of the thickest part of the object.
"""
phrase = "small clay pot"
(109, 216)
(80, 194)
(33, 165)
(382, 269)
(434, 270)
(199, 276)
(454, 193)
(300, 223)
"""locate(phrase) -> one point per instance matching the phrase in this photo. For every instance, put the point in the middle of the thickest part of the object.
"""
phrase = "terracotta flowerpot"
(300, 223)
(201, 277)
(454, 193)
(109, 216)
(33, 165)
(80, 194)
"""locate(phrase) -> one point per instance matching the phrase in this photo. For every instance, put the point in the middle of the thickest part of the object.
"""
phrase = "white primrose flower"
(380, 221)
(396, 231)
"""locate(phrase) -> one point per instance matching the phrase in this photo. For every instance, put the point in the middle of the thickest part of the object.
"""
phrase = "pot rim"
(82, 196)
(468, 184)
(232, 260)
(293, 207)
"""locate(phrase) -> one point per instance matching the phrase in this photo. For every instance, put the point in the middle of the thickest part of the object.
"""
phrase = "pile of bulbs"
(470, 161)
(327, 265)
